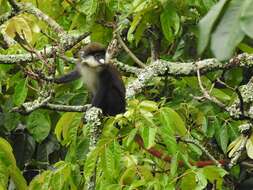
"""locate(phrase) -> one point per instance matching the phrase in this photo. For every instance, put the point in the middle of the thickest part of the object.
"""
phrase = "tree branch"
(50, 51)
(161, 67)
(129, 52)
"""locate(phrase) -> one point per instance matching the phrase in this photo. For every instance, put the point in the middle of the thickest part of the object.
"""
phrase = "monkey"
(102, 79)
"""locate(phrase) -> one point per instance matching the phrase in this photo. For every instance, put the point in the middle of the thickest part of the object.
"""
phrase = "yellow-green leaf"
(249, 147)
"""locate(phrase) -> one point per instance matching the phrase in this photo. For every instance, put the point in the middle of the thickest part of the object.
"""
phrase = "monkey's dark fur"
(102, 79)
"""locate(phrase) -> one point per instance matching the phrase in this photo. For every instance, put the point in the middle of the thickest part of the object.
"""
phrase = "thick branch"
(14, 5)
(160, 67)
(8, 15)
(27, 57)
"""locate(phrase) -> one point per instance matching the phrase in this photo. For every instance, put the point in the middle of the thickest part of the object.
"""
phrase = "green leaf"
(149, 105)
(188, 181)
(109, 161)
(215, 175)
(39, 125)
(128, 176)
(228, 33)
(90, 163)
(170, 22)
(63, 127)
(89, 7)
(249, 147)
(201, 180)
(169, 117)
(234, 77)
(174, 165)
(131, 136)
(247, 18)
(20, 93)
(245, 48)
(220, 94)
(11, 120)
(7, 158)
(167, 132)
(133, 26)
(222, 137)
(6, 155)
(148, 135)
(206, 25)
(18, 178)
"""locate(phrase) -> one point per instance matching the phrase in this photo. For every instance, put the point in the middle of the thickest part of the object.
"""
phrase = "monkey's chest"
(90, 78)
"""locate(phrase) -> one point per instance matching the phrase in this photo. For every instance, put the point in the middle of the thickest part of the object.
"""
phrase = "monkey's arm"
(73, 75)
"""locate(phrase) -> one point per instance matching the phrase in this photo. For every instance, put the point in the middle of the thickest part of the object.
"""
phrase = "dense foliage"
(170, 137)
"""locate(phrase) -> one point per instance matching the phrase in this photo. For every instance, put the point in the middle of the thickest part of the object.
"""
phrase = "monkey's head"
(92, 55)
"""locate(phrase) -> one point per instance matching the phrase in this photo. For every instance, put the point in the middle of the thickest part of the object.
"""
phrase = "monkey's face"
(93, 61)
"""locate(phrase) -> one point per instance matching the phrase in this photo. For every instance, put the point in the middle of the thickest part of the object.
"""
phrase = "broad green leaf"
(11, 120)
(148, 135)
(146, 173)
(201, 180)
(62, 126)
(234, 77)
(137, 183)
(133, 26)
(39, 125)
(228, 33)
(245, 48)
(117, 155)
(188, 181)
(167, 132)
(170, 22)
(148, 105)
(206, 25)
(131, 136)
(174, 165)
(249, 147)
(169, 117)
(223, 138)
(112, 186)
(20, 93)
(247, 18)
(128, 176)
(89, 7)
(18, 178)
(19, 25)
(220, 94)
(215, 175)
(6, 155)
(4, 176)
(90, 163)
(109, 162)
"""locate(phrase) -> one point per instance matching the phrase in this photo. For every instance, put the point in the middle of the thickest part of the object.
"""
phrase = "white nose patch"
(102, 61)
(91, 61)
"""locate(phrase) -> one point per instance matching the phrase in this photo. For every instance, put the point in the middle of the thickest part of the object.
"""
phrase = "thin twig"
(129, 52)
(206, 93)
(195, 142)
